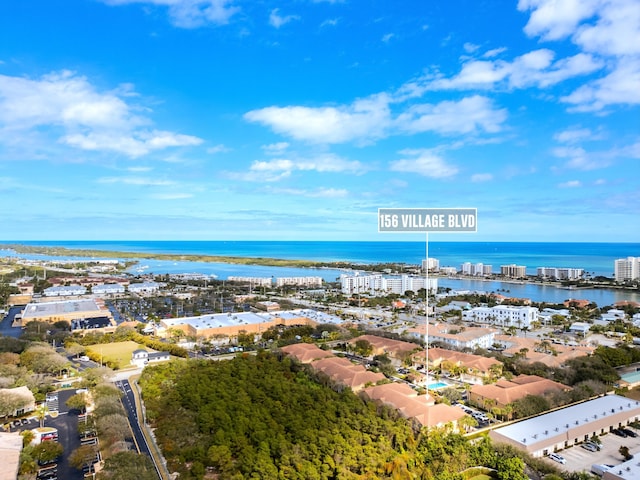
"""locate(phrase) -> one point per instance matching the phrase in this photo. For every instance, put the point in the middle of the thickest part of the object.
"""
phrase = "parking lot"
(578, 459)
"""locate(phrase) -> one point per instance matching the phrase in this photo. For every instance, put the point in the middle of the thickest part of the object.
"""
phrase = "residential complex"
(513, 271)
(299, 281)
(502, 315)
(378, 284)
(627, 269)
(476, 269)
(431, 264)
(555, 273)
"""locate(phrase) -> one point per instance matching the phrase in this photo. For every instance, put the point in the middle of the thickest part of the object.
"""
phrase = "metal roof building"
(568, 426)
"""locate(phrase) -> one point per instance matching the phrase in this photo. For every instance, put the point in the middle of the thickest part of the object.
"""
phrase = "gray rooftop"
(550, 424)
(34, 310)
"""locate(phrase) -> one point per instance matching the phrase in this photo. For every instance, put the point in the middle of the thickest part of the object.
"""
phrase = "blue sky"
(297, 120)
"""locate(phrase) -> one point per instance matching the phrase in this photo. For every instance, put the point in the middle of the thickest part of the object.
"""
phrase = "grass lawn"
(119, 353)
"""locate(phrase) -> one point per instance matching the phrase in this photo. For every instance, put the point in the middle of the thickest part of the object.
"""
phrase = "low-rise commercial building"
(230, 324)
(568, 426)
(65, 310)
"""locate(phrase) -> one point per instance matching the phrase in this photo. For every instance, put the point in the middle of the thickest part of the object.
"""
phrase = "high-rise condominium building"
(627, 269)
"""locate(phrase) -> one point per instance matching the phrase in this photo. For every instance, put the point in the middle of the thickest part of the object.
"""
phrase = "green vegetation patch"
(114, 355)
(263, 417)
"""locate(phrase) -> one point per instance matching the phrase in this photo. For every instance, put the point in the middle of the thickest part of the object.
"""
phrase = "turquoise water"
(595, 258)
(437, 385)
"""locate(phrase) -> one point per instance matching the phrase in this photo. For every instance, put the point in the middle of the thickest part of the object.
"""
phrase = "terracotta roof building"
(381, 345)
(421, 409)
(305, 352)
(505, 392)
(343, 372)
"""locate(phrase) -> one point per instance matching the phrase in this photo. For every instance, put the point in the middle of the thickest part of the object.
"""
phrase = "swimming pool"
(437, 385)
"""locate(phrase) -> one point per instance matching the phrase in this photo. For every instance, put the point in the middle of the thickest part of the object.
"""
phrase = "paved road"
(128, 400)
(5, 323)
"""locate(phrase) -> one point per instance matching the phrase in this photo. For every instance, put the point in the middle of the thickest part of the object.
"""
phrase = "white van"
(599, 469)
(558, 458)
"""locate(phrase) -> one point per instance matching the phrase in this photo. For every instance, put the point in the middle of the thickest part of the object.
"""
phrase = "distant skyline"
(239, 120)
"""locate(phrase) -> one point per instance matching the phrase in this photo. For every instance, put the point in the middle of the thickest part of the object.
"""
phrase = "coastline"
(279, 262)
(237, 260)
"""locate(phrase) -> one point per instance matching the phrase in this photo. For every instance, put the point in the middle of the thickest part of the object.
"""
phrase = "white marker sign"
(415, 220)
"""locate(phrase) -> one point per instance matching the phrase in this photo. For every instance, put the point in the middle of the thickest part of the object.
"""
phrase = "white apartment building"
(431, 264)
(502, 315)
(144, 287)
(254, 281)
(449, 270)
(107, 289)
(476, 269)
(627, 269)
(469, 337)
(299, 281)
(377, 284)
(513, 271)
(64, 291)
(556, 273)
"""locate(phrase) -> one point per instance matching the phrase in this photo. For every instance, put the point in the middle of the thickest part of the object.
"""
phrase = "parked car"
(618, 432)
(629, 432)
(589, 446)
(596, 445)
(558, 458)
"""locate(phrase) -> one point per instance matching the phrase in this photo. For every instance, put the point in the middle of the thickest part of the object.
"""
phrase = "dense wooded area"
(263, 417)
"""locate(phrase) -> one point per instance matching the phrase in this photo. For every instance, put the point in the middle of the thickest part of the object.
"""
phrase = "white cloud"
(571, 184)
(317, 193)
(424, 162)
(137, 181)
(470, 47)
(133, 145)
(322, 164)
(387, 37)
(556, 19)
(275, 20)
(330, 22)
(190, 13)
(468, 115)
(68, 106)
(579, 158)
(495, 52)
(363, 120)
(220, 148)
(573, 135)
(620, 87)
(275, 148)
(535, 68)
(606, 27)
(370, 119)
(481, 177)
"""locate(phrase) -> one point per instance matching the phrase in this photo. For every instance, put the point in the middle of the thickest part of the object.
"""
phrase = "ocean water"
(595, 258)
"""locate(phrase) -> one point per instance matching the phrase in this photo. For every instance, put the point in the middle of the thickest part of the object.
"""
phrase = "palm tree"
(41, 413)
